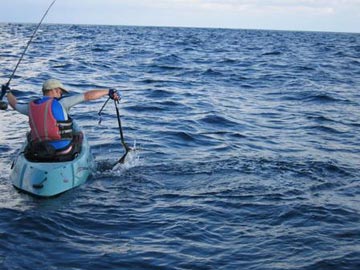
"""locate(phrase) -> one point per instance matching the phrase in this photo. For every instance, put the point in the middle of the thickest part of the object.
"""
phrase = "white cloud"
(223, 5)
(326, 15)
(261, 6)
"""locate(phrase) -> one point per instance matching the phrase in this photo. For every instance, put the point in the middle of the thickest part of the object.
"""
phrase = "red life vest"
(44, 126)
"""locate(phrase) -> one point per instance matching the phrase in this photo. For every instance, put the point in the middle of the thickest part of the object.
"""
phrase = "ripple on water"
(247, 156)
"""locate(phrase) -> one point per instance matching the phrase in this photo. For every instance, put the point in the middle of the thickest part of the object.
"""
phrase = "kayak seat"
(45, 152)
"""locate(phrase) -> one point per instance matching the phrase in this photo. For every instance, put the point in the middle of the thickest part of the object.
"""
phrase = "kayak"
(47, 177)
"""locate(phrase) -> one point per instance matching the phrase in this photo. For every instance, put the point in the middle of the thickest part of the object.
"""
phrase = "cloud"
(327, 15)
(254, 7)
(324, 6)
(261, 6)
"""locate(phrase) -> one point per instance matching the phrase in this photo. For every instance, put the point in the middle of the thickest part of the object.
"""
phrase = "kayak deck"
(46, 179)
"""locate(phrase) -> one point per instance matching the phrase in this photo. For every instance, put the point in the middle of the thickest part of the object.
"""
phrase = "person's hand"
(4, 89)
(113, 94)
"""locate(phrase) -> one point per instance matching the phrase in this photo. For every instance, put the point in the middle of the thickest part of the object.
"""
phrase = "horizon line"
(179, 26)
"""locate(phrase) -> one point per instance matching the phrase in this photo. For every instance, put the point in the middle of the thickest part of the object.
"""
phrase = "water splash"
(104, 167)
(132, 160)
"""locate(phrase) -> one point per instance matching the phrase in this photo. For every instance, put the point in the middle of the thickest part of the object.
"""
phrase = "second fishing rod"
(6, 87)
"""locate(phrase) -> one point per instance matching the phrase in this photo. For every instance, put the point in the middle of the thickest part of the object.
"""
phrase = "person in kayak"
(49, 115)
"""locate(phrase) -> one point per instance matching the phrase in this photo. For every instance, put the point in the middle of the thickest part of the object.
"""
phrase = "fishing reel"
(3, 105)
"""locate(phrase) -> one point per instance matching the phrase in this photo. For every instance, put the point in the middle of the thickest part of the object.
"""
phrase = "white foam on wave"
(132, 160)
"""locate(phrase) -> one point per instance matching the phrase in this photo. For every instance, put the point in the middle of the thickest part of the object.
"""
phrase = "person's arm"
(95, 94)
(12, 100)
(98, 93)
(21, 108)
(70, 101)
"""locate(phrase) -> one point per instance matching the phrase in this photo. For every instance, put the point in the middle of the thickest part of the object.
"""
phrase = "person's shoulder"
(65, 98)
(40, 100)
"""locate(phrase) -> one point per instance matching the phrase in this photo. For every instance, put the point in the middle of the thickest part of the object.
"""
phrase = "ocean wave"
(247, 147)
(273, 53)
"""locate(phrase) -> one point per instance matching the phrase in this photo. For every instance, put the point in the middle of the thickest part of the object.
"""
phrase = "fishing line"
(28, 44)
(5, 87)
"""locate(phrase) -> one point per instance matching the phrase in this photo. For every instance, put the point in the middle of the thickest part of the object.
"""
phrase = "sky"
(300, 15)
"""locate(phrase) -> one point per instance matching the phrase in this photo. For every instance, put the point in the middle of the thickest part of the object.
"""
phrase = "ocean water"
(248, 150)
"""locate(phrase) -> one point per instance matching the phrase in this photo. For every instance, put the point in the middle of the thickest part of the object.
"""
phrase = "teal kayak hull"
(47, 179)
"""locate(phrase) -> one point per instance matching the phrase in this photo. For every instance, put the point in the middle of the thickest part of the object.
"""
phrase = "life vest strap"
(65, 128)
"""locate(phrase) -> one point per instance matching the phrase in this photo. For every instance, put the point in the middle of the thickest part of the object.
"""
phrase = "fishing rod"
(6, 87)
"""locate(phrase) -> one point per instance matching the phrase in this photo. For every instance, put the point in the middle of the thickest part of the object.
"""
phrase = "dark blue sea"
(247, 150)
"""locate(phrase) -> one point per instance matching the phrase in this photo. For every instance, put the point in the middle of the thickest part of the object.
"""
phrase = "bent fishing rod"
(6, 87)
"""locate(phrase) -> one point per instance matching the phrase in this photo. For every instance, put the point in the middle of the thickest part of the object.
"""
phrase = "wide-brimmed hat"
(52, 84)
